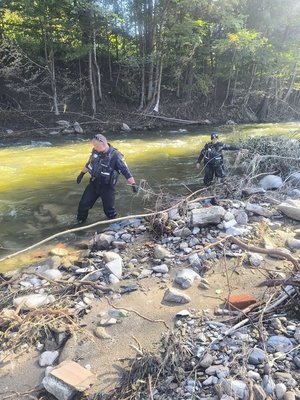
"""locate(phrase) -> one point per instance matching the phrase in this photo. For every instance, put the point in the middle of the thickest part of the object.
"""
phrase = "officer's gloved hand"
(79, 177)
(135, 189)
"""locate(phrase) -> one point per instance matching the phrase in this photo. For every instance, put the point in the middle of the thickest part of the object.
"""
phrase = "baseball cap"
(100, 138)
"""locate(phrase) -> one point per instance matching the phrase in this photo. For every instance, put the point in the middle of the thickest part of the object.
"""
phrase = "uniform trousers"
(92, 192)
(212, 170)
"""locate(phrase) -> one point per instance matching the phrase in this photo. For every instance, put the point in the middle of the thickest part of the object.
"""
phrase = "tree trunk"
(289, 91)
(156, 108)
(190, 77)
(91, 80)
(234, 86)
(49, 58)
(229, 80)
(98, 73)
(227, 93)
(116, 43)
(149, 43)
(150, 80)
(263, 109)
(81, 91)
(51, 67)
(178, 88)
(142, 100)
(250, 86)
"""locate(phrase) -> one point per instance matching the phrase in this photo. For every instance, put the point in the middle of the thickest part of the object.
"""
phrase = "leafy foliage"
(222, 49)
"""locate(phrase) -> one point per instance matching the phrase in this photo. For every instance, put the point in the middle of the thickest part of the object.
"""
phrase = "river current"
(38, 190)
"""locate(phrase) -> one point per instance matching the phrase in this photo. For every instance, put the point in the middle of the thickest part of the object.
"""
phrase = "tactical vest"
(102, 167)
(213, 154)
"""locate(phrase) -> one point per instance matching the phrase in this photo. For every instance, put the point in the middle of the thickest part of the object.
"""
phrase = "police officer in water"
(104, 165)
(213, 158)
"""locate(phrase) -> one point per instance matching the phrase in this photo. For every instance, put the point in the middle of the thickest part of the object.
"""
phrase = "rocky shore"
(216, 276)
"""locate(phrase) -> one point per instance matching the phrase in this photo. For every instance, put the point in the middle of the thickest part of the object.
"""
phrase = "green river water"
(38, 190)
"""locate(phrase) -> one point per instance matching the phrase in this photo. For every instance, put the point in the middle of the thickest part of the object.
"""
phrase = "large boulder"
(270, 182)
(205, 216)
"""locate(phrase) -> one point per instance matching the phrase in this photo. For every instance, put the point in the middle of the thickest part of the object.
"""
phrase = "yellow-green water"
(38, 190)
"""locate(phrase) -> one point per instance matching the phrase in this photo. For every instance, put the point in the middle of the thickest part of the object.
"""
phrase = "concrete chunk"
(67, 379)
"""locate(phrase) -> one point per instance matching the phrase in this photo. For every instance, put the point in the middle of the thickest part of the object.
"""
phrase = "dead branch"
(178, 121)
(137, 313)
(256, 249)
(250, 248)
(280, 282)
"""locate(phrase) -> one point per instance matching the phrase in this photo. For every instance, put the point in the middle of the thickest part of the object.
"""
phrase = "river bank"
(113, 119)
(112, 296)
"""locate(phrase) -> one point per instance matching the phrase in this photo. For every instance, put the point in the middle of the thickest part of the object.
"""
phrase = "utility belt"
(215, 161)
(106, 178)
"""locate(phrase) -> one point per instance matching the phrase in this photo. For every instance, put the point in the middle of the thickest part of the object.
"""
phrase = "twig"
(137, 313)
(150, 387)
(227, 276)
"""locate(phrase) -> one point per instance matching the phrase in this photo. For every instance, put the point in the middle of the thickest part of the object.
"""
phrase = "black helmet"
(214, 135)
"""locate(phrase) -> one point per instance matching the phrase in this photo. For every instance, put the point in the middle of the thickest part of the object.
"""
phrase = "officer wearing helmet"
(213, 158)
(104, 165)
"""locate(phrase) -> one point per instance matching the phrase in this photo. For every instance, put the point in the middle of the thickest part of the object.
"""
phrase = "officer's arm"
(201, 155)
(85, 169)
(123, 168)
(229, 147)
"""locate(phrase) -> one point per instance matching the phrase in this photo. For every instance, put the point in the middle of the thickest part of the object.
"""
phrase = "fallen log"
(178, 120)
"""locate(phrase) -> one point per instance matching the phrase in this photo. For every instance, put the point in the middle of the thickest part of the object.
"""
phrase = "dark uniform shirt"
(212, 152)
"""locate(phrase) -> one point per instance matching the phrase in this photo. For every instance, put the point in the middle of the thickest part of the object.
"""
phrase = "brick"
(240, 301)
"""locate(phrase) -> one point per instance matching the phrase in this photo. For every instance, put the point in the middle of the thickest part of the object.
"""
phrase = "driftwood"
(247, 247)
(255, 249)
(280, 282)
(177, 121)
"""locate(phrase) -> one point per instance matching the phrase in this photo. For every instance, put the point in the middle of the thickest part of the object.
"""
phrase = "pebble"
(280, 390)
(101, 333)
(289, 396)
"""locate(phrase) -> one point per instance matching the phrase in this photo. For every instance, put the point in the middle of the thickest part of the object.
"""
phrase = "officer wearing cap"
(213, 158)
(104, 165)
